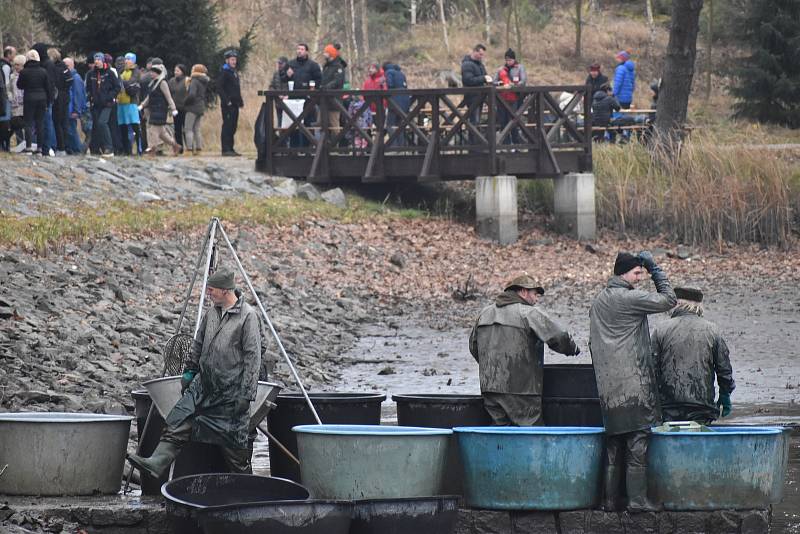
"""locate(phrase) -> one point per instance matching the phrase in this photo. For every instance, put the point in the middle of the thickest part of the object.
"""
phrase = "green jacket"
(689, 351)
(508, 342)
(227, 356)
(619, 340)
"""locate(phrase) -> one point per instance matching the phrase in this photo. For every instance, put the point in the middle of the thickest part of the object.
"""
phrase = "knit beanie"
(510, 54)
(32, 55)
(625, 262)
(332, 51)
(130, 56)
(623, 55)
(99, 55)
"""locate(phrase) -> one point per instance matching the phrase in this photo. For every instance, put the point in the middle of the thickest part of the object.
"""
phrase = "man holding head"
(508, 342)
(619, 340)
(689, 351)
(219, 382)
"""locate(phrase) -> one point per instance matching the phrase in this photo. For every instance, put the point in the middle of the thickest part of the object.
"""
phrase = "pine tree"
(768, 87)
(177, 31)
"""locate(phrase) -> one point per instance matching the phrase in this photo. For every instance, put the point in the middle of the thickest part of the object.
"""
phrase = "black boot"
(159, 461)
(611, 483)
(638, 501)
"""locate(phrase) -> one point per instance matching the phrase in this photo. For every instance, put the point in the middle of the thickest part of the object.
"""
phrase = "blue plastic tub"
(729, 468)
(531, 468)
(370, 461)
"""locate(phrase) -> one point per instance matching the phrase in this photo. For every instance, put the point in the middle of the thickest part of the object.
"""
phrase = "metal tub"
(531, 468)
(186, 496)
(333, 408)
(166, 392)
(405, 516)
(278, 517)
(62, 453)
(371, 462)
(728, 468)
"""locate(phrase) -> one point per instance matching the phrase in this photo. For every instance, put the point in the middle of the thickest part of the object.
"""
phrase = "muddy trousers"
(237, 460)
(625, 454)
(509, 409)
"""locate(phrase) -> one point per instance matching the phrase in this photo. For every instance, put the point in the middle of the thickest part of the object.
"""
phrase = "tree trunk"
(651, 25)
(709, 59)
(353, 40)
(508, 26)
(488, 22)
(413, 12)
(578, 26)
(317, 27)
(516, 24)
(673, 99)
(364, 29)
(444, 26)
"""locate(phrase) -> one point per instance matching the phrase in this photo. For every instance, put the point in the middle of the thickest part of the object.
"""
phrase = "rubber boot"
(636, 481)
(159, 461)
(611, 483)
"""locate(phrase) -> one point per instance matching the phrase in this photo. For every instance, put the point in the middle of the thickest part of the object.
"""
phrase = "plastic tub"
(281, 517)
(371, 462)
(332, 408)
(406, 516)
(62, 453)
(531, 468)
(729, 468)
(186, 496)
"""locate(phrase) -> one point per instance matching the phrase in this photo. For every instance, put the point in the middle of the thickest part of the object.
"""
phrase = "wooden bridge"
(425, 134)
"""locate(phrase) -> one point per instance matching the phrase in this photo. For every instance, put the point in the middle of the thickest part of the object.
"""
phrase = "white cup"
(312, 84)
(291, 86)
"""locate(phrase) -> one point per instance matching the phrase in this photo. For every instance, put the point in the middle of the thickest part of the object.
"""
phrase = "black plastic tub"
(569, 411)
(569, 380)
(416, 515)
(332, 408)
(186, 496)
(281, 517)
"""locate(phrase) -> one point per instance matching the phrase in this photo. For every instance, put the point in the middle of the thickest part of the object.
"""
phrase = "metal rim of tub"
(724, 431)
(439, 398)
(196, 506)
(331, 397)
(61, 417)
(371, 430)
(529, 430)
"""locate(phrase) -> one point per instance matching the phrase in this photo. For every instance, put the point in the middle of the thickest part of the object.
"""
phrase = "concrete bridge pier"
(496, 208)
(573, 204)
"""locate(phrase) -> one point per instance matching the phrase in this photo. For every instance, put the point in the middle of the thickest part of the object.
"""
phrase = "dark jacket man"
(34, 81)
(603, 105)
(619, 339)
(333, 74)
(396, 79)
(102, 87)
(473, 72)
(229, 88)
(279, 81)
(304, 69)
(596, 79)
(508, 342)
(689, 351)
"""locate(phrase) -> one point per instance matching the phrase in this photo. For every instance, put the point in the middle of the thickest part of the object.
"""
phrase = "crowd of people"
(118, 106)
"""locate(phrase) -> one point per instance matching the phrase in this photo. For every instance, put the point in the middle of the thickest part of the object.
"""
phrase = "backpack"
(132, 89)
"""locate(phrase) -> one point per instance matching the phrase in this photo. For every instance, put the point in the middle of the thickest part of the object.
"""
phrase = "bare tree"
(444, 26)
(487, 22)
(651, 25)
(353, 40)
(364, 28)
(413, 12)
(673, 99)
(710, 58)
(317, 26)
(578, 26)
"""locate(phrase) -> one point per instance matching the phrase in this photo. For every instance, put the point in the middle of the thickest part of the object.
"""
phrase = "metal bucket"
(406, 516)
(729, 468)
(531, 468)
(62, 453)
(278, 517)
(332, 408)
(186, 496)
(166, 392)
(443, 411)
(371, 462)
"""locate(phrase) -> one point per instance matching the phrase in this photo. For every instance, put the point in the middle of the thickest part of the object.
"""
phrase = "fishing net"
(176, 351)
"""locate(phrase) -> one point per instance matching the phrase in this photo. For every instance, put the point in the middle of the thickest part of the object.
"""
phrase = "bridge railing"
(425, 134)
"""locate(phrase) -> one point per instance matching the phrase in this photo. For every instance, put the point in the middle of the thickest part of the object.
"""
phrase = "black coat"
(603, 105)
(230, 92)
(35, 82)
(596, 83)
(473, 73)
(102, 87)
(333, 74)
(303, 71)
(196, 95)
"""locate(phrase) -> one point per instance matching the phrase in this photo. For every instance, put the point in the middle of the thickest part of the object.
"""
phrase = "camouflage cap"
(524, 281)
(222, 280)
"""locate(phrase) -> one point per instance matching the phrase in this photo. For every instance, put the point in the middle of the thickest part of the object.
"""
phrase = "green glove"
(724, 401)
(186, 379)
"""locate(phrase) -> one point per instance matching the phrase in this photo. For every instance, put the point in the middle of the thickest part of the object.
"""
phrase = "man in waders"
(219, 382)
(508, 343)
(619, 340)
(689, 351)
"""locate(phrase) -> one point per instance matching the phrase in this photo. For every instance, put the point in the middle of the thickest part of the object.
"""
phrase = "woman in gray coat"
(195, 107)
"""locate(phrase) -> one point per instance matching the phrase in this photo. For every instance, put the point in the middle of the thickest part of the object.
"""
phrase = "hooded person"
(689, 353)
(35, 83)
(619, 340)
(396, 79)
(603, 106)
(218, 384)
(508, 341)
(196, 107)
(624, 79)
(49, 137)
(160, 107)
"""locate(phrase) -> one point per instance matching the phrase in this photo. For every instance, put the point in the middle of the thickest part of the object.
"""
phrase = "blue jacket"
(395, 79)
(625, 82)
(77, 95)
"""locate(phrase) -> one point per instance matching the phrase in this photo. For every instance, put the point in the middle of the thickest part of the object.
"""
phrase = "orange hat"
(331, 50)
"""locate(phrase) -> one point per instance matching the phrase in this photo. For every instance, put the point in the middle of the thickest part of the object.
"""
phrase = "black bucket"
(416, 515)
(332, 408)
(281, 517)
(186, 496)
(569, 396)
(443, 411)
(194, 458)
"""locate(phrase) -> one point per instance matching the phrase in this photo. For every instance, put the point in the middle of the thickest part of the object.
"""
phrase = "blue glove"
(186, 379)
(725, 402)
(648, 261)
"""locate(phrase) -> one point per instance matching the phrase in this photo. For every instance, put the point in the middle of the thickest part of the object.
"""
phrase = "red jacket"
(505, 79)
(376, 82)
